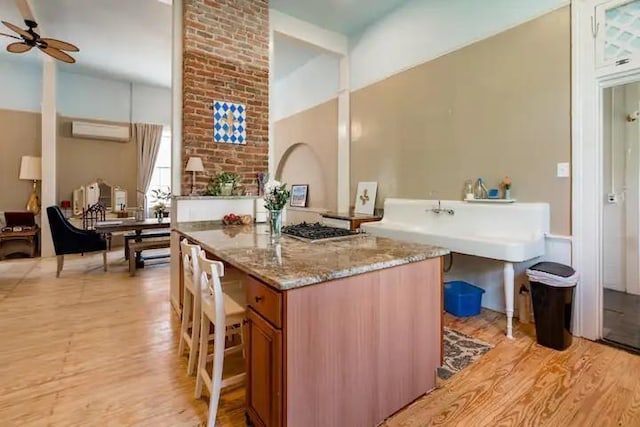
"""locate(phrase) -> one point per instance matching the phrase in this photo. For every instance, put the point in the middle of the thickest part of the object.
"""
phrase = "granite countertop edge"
(429, 252)
(349, 272)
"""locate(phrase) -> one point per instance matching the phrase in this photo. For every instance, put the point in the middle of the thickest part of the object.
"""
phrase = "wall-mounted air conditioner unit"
(120, 133)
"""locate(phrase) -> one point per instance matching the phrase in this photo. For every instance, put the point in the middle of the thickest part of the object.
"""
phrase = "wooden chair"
(92, 215)
(191, 297)
(225, 313)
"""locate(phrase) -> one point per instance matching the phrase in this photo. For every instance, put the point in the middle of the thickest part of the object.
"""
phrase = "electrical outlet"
(563, 170)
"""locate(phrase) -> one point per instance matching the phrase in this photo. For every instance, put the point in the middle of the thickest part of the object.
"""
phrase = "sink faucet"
(440, 210)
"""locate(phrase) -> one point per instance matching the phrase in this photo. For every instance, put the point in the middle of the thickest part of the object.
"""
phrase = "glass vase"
(275, 224)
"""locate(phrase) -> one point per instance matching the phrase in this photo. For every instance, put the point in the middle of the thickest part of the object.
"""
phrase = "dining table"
(137, 226)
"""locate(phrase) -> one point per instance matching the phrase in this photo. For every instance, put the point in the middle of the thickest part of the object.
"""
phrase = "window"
(161, 177)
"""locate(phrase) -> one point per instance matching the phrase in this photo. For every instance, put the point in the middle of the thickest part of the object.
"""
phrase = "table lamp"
(31, 170)
(194, 165)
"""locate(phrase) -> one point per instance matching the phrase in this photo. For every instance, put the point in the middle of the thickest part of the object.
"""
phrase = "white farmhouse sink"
(506, 232)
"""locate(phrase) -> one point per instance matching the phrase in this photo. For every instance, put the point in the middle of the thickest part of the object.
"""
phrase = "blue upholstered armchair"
(68, 239)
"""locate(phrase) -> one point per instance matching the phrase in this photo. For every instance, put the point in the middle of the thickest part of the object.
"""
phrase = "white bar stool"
(224, 312)
(191, 298)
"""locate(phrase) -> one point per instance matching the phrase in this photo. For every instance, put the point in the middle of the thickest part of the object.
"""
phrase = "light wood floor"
(99, 349)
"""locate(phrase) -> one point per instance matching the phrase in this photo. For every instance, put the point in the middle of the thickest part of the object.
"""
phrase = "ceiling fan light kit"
(55, 48)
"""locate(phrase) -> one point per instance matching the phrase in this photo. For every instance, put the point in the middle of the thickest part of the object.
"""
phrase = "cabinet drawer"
(265, 301)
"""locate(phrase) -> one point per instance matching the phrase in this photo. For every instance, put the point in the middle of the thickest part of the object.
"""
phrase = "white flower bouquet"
(276, 195)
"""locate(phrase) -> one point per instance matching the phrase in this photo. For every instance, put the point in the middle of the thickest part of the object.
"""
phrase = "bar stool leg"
(195, 336)
(186, 314)
(202, 354)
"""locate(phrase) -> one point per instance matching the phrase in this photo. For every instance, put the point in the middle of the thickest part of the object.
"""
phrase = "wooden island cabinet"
(351, 351)
(341, 333)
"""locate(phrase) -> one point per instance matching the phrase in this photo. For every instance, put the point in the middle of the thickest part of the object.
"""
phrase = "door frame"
(588, 83)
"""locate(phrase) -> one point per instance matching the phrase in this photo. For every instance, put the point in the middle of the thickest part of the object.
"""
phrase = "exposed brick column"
(226, 58)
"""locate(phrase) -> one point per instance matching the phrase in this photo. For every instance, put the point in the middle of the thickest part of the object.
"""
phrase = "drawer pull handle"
(258, 299)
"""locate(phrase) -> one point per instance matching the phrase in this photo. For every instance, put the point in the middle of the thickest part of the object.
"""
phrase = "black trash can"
(552, 288)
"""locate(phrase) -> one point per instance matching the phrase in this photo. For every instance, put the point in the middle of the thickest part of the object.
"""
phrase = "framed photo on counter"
(299, 195)
(366, 198)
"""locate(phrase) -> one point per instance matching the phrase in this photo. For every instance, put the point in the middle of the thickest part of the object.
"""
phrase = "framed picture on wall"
(299, 195)
(366, 198)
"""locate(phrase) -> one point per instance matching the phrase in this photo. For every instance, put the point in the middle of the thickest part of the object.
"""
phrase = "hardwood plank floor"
(100, 349)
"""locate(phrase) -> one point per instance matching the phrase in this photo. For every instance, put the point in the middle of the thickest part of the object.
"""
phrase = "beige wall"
(498, 107)
(19, 136)
(82, 161)
(306, 150)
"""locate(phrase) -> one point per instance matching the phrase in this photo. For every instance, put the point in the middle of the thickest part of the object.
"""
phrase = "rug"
(460, 351)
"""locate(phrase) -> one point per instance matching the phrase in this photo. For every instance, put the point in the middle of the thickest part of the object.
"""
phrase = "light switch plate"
(564, 170)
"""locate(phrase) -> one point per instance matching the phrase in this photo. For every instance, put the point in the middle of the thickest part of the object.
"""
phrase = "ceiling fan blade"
(60, 45)
(57, 54)
(10, 35)
(19, 47)
(26, 35)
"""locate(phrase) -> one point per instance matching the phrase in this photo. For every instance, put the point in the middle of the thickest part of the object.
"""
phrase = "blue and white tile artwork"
(229, 122)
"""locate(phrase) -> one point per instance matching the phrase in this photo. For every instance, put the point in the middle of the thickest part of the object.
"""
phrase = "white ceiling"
(343, 16)
(122, 39)
(131, 39)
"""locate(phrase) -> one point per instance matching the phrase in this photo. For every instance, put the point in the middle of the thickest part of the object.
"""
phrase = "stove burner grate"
(315, 231)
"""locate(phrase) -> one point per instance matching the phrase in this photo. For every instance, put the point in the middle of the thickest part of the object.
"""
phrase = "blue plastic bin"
(462, 299)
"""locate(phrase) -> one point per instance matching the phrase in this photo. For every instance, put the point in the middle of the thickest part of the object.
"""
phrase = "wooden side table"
(25, 242)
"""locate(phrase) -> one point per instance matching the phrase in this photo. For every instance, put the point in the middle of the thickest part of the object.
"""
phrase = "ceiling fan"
(30, 39)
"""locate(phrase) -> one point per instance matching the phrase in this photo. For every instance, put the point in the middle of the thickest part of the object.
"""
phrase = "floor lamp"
(194, 165)
(31, 170)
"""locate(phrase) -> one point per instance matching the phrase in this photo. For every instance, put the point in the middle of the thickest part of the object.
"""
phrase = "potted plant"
(223, 184)
(161, 198)
(276, 197)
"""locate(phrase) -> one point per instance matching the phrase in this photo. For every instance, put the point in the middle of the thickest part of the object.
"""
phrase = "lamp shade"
(194, 165)
(31, 168)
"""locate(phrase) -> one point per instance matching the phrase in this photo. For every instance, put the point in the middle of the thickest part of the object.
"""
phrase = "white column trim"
(344, 137)
(48, 153)
(272, 87)
(176, 97)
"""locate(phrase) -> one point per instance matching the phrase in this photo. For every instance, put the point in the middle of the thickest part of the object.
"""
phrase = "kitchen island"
(338, 333)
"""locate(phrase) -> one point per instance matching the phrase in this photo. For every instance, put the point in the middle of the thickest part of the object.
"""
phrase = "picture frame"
(365, 202)
(299, 195)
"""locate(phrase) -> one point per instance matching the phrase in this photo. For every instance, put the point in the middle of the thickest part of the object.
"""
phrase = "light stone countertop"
(292, 263)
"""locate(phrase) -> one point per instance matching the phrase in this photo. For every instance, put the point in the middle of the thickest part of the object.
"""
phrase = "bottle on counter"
(468, 190)
(480, 191)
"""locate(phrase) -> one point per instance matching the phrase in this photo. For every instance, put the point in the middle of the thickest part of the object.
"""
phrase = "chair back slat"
(92, 215)
(211, 271)
(190, 260)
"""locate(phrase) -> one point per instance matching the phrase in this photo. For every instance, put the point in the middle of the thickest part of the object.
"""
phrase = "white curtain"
(147, 138)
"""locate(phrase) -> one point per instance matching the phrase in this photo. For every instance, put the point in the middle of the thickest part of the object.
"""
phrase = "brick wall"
(226, 58)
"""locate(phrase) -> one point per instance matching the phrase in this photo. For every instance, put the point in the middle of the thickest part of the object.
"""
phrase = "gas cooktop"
(315, 232)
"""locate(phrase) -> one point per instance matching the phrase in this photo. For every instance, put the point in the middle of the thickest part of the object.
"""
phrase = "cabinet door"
(264, 371)
(617, 32)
